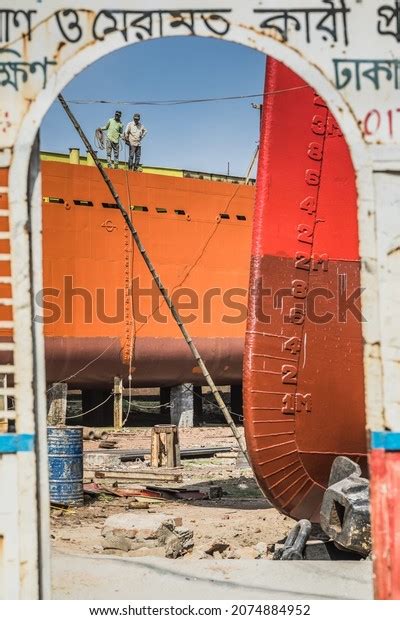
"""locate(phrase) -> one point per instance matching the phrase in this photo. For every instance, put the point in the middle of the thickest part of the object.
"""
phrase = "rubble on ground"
(139, 526)
(216, 512)
(125, 532)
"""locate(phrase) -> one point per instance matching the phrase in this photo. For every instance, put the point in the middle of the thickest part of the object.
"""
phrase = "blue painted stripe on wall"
(10, 443)
(385, 440)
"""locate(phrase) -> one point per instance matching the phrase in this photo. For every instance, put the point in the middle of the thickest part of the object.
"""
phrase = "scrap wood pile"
(151, 494)
(110, 465)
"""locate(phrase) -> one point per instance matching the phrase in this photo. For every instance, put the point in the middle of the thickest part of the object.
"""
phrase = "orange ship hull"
(102, 318)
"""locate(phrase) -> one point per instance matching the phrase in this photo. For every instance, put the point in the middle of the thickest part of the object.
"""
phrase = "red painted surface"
(303, 373)
(385, 500)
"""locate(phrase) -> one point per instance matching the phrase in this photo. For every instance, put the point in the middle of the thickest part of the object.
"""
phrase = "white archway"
(313, 63)
(26, 135)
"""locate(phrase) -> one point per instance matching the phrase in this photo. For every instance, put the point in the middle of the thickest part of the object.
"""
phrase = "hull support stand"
(57, 409)
(118, 401)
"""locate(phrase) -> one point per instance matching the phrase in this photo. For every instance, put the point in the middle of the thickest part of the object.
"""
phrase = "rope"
(99, 139)
(71, 417)
(137, 405)
(208, 240)
(210, 402)
(75, 374)
(145, 408)
(253, 161)
(186, 275)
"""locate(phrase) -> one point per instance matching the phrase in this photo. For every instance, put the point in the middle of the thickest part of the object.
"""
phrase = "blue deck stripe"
(10, 443)
(385, 440)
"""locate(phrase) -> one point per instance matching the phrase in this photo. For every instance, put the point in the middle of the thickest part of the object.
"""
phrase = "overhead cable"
(170, 102)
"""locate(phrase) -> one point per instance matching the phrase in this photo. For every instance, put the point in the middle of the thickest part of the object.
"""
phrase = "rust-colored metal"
(92, 274)
(303, 373)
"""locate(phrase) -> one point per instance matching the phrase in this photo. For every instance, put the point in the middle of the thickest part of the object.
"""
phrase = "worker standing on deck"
(134, 134)
(114, 129)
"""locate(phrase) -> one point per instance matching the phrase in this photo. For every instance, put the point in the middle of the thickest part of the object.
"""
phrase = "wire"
(253, 161)
(211, 402)
(151, 407)
(137, 405)
(216, 226)
(144, 408)
(202, 251)
(71, 417)
(184, 278)
(168, 102)
(75, 374)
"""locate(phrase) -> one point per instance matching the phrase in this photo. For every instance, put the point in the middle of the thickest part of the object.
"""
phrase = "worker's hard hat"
(136, 116)
(118, 112)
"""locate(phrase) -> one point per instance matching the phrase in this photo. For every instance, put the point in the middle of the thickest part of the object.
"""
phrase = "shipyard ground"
(242, 519)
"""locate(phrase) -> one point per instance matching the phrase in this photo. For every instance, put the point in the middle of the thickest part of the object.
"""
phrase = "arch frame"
(375, 158)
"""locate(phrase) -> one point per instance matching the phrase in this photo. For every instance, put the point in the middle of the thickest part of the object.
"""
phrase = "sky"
(202, 136)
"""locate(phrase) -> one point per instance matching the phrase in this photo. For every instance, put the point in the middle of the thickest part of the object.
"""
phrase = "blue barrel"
(65, 449)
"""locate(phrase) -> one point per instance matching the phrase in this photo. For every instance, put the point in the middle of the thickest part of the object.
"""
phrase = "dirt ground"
(242, 517)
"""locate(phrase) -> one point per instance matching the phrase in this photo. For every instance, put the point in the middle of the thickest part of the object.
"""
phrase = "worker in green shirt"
(114, 129)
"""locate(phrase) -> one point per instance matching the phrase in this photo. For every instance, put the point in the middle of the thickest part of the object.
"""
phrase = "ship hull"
(158, 362)
(102, 313)
(303, 368)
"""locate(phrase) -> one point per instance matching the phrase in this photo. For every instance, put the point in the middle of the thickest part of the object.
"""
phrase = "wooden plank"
(137, 476)
(155, 449)
(117, 403)
(144, 473)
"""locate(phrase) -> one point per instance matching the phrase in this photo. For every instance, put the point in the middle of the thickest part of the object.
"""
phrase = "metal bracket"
(345, 512)
(295, 542)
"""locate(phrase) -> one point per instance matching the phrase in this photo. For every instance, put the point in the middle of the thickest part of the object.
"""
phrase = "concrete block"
(182, 406)
(116, 542)
(137, 525)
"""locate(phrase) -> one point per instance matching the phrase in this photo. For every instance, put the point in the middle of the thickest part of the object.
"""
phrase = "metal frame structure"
(43, 46)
